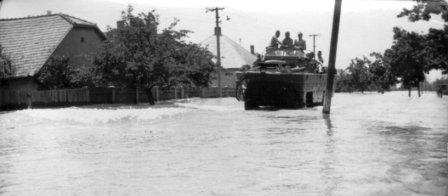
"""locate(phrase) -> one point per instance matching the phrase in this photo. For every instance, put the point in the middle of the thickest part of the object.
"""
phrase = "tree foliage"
(434, 50)
(407, 57)
(58, 73)
(356, 77)
(425, 8)
(359, 72)
(138, 54)
(365, 74)
(382, 77)
(344, 82)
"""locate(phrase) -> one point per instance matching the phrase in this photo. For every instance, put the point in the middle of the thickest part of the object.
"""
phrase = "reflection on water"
(370, 144)
(327, 118)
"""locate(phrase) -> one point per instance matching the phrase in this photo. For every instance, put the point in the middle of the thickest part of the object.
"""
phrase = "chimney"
(48, 12)
(252, 49)
(120, 24)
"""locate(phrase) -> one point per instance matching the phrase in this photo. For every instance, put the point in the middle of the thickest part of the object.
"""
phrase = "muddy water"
(371, 144)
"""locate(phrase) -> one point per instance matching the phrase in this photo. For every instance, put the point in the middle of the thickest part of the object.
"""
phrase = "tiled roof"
(233, 55)
(30, 41)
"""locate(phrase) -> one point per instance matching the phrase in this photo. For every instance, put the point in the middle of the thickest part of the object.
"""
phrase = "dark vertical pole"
(218, 45)
(218, 50)
(332, 59)
(137, 90)
(418, 90)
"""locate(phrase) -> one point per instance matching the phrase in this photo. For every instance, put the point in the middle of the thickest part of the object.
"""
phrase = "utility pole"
(314, 44)
(218, 44)
(332, 59)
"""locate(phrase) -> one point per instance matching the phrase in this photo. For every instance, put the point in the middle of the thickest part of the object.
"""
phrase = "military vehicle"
(282, 80)
(442, 89)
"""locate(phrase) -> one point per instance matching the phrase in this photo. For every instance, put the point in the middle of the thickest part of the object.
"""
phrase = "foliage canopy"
(138, 54)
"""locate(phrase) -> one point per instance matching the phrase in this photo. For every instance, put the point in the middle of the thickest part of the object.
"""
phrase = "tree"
(56, 73)
(425, 8)
(360, 75)
(343, 81)
(137, 55)
(436, 41)
(366, 74)
(59, 73)
(407, 58)
(436, 49)
(381, 74)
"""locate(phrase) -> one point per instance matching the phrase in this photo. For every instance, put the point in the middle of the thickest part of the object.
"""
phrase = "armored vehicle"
(282, 80)
(442, 89)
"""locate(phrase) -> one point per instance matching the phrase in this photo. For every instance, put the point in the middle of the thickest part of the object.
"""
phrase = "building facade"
(31, 41)
(233, 58)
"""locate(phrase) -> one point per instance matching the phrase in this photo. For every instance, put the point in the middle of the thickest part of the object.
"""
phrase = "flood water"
(371, 144)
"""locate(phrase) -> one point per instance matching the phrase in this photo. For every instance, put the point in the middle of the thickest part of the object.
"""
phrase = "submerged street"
(371, 144)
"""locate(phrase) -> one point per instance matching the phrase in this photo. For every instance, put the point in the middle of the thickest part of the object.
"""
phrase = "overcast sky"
(366, 25)
(276, 5)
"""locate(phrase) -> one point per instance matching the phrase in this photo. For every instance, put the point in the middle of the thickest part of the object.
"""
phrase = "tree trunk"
(137, 94)
(148, 92)
(409, 92)
(418, 90)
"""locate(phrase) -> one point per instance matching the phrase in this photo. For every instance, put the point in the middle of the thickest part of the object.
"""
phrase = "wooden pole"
(218, 45)
(332, 59)
(218, 49)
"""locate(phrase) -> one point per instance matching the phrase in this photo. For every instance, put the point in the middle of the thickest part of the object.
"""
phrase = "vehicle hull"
(283, 90)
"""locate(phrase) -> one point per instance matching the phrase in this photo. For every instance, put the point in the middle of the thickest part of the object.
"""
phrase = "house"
(31, 41)
(233, 57)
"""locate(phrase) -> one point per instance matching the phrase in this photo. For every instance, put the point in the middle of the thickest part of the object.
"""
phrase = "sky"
(366, 25)
(275, 6)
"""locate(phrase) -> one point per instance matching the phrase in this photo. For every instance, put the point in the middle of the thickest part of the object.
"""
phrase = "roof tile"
(30, 41)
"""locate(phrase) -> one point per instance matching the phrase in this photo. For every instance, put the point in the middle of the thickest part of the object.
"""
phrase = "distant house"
(31, 41)
(233, 57)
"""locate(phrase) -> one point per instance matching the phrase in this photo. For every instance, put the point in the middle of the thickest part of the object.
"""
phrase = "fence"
(85, 96)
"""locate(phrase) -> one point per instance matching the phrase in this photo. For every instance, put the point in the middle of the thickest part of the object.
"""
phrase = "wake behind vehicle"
(282, 79)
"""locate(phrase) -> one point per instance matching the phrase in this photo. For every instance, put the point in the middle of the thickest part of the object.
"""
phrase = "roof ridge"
(28, 17)
(63, 15)
(237, 46)
(71, 21)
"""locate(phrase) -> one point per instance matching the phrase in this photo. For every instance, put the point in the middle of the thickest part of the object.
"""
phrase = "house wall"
(228, 78)
(80, 45)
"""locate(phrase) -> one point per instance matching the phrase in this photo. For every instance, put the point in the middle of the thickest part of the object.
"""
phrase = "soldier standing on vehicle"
(274, 41)
(274, 45)
(300, 44)
(287, 43)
